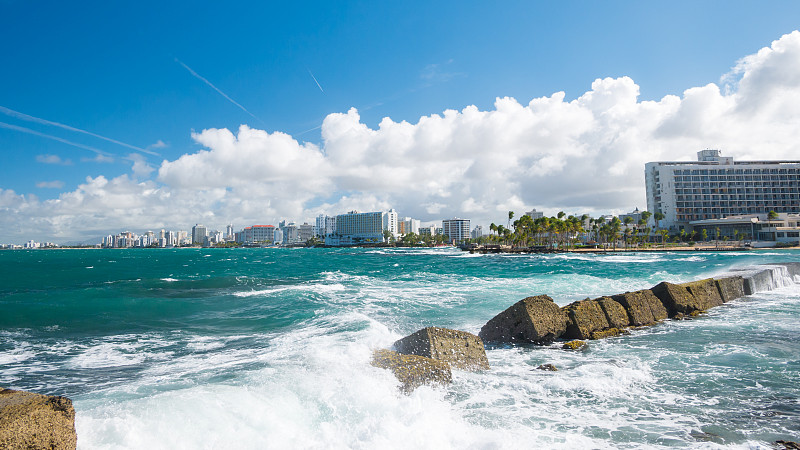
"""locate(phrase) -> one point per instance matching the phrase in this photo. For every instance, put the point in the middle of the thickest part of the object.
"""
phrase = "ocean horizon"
(271, 348)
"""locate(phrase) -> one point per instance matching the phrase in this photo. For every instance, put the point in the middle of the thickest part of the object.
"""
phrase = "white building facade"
(715, 187)
(456, 230)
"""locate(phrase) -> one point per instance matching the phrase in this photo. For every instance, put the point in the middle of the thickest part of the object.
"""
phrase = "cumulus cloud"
(581, 155)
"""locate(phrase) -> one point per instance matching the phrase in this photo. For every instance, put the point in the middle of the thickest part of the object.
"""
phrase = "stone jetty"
(540, 322)
(29, 420)
(427, 356)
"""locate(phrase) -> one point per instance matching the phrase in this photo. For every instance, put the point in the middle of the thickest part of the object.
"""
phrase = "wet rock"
(705, 292)
(608, 332)
(412, 370)
(460, 349)
(584, 318)
(616, 316)
(643, 307)
(534, 319)
(548, 367)
(573, 345)
(788, 445)
(730, 288)
(33, 421)
(676, 298)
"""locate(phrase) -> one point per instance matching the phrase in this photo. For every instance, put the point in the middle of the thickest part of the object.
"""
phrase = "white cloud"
(50, 184)
(99, 159)
(53, 159)
(583, 155)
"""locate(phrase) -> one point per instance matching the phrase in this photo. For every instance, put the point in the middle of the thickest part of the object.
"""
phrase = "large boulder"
(615, 313)
(534, 319)
(643, 307)
(730, 288)
(412, 370)
(676, 298)
(33, 421)
(705, 293)
(584, 318)
(460, 349)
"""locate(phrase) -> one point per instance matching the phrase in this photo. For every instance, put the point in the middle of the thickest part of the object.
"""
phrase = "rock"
(461, 349)
(705, 293)
(33, 421)
(584, 318)
(608, 332)
(676, 298)
(548, 367)
(412, 370)
(534, 319)
(643, 307)
(730, 288)
(573, 345)
(616, 315)
(788, 445)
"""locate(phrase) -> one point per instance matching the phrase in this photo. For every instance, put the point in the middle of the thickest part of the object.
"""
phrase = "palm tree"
(658, 216)
(510, 216)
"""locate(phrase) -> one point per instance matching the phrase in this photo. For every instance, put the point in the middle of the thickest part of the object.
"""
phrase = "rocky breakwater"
(427, 356)
(539, 320)
(34, 421)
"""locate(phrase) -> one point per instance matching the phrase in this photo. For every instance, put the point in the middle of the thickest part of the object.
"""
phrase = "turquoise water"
(270, 348)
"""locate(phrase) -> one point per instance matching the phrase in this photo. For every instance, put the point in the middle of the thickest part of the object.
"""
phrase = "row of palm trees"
(562, 231)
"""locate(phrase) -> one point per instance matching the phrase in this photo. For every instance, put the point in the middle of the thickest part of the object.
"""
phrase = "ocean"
(271, 348)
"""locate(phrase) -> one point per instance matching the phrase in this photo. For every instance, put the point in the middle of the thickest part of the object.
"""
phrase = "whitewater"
(271, 348)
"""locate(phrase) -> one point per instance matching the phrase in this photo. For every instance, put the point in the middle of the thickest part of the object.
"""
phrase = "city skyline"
(145, 119)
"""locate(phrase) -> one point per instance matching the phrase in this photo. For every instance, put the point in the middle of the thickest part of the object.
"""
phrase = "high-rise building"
(359, 228)
(477, 232)
(456, 230)
(305, 232)
(715, 186)
(408, 225)
(199, 233)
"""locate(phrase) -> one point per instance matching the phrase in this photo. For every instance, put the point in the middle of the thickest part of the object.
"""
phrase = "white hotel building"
(716, 186)
(362, 228)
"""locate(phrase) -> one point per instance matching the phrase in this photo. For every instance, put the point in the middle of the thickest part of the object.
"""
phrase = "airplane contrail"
(198, 76)
(55, 138)
(315, 79)
(19, 115)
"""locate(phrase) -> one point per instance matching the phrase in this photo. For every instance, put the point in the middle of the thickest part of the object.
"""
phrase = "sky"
(144, 115)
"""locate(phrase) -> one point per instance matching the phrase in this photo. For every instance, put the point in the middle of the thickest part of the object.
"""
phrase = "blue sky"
(114, 69)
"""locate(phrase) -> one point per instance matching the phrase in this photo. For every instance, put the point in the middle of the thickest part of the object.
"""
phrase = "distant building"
(305, 232)
(407, 225)
(636, 215)
(199, 233)
(361, 228)
(477, 232)
(714, 187)
(290, 231)
(325, 225)
(456, 230)
(429, 231)
(534, 214)
(257, 234)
